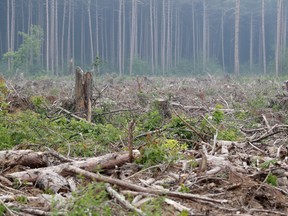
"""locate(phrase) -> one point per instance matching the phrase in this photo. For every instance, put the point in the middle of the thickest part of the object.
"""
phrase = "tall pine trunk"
(236, 49)
(263, 36)
(278, 36)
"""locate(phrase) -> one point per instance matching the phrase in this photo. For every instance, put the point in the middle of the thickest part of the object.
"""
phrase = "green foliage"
(178, 128)
(97, 62)
(258, 101)
(272, 179)
(218, 115)
(22, 199)
(91, 200)
(151, 120)
(31, 128)
(39, 103)
(154, 207)
(227, 129)
(152, 155)
(184, 213)
(184, 189)
(27, 57)
(4, 91)
(229, 134)
(2, 209)
(267, 164)
(160, 151)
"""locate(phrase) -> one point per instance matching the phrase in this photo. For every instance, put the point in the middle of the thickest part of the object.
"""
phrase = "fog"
(143, 37)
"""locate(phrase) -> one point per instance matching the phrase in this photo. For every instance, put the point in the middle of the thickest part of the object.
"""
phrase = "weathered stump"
(162, 105)
(88, 88)
(83, 94)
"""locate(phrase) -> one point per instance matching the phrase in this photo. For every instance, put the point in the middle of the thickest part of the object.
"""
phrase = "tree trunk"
(88, 88)
(79, 93)
(251, 42)
(47, 37)
(236, 51)
(222, 42)
(83, 94)
(155, 36)
(133, 34)
(56, 55)
(90, 31)
(163, 37)
(263, 36)
(120, 37)
(68, 54)
(52, 36)
(8, 33)
(152, 36)
(278, 36)
(63, 34)
(204, 48)
(193, 36)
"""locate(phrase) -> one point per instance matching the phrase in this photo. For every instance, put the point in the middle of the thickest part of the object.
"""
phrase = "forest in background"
(146, 37)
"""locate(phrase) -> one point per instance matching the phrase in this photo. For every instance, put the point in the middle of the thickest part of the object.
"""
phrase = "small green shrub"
(267, 164)
(218, 115)
(151, 120)
(154, 207)
(91, 200)
(272, 180)
(160, 151)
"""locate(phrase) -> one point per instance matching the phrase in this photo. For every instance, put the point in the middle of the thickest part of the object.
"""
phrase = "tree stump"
(286, 85)
(162, 105)
(88, 88)
(83, 94)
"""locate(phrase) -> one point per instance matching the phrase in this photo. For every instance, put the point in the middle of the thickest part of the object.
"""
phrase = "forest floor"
(201, 146)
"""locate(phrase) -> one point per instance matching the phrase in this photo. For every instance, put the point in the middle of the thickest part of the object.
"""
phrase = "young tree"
(27, 57)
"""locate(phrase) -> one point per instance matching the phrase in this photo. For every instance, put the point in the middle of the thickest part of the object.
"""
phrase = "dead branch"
(122, 200)
(7, 208)
(150, 133)
(178, 206)
(189, 126)
(125, 184)
(188, 108)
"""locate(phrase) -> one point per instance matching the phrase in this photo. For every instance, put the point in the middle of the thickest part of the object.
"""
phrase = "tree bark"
(79, 92)
(278, 36)
(263, 36)
(222, 42)
(108, 161)
(236, 51)
(47, 37)
(133, 34)
(251, 42)
(204, 42)
(88, 88)
(152, 36)
(83, 94)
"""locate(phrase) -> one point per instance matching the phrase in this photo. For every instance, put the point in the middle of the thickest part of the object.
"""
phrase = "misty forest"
(151, 37)
(144, 107)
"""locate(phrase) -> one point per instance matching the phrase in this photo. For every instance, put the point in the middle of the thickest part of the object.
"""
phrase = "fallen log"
(27, 158)
(107, 161)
